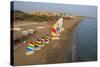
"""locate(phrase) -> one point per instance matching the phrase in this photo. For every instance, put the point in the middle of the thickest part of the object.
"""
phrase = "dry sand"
(58, 51)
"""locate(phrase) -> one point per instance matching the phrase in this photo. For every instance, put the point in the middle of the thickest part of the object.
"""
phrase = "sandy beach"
(57, 51)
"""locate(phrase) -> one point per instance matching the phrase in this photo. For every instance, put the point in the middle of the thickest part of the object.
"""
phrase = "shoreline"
(61, 53)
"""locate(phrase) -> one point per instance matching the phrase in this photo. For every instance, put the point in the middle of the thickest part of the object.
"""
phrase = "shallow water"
(84, 43)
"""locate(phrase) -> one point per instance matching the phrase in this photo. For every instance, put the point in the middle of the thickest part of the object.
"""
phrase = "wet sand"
(57, 51)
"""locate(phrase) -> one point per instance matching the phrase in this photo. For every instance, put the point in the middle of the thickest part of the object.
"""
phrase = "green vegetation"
(22, 16)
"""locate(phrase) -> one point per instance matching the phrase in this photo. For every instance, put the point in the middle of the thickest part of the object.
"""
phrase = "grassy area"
(22, 16)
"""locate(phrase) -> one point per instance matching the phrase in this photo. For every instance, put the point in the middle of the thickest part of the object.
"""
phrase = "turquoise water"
(86, 34)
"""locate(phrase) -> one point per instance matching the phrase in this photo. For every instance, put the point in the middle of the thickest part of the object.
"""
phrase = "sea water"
(84, 44)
